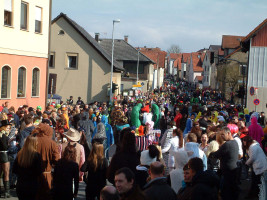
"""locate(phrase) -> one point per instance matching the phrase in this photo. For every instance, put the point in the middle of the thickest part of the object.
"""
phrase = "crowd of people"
(176, 142)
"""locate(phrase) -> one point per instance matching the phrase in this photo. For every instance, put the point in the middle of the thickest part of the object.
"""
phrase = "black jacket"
(205, 186)
(158, 189)
(120, 160)
(64, 173)
(96, 179)
(28, 177)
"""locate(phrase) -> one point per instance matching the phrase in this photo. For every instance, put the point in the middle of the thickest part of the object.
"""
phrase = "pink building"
(23, 80)
(24, 30)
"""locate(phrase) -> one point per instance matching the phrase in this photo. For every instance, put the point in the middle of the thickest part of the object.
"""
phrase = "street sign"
(137, 85)
(256, 102)
(252, 91)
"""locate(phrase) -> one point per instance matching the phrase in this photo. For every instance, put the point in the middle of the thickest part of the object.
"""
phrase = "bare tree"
(174, 49)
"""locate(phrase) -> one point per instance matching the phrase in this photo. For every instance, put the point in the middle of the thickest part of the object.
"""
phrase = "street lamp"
(138, 51)
(112, 55)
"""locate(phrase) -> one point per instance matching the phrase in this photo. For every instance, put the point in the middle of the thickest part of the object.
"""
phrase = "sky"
(191, 24)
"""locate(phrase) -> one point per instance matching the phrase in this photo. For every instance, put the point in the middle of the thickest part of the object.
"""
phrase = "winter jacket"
(109, 131)
(169, 147)
(141, 176)
(205, 186)
(257, 158)
(158, 189)
(96, 179)
(255, 130)
(87, 125)
(134, 194)
(120, 160)
(27, 181)
(194, 147)
(177, 175)
(23, 135)
(64, 174)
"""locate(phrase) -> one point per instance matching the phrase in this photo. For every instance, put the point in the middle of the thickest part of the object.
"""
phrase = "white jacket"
(257, 158)
(172, 145)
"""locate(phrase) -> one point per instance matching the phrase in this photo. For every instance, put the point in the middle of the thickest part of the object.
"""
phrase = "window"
(52, 83)
(8, 13)
(72, 61)
(24, 16)
(6, 76)
(131, 67)
(242, 70)
(35, 82)
(52, 59)
(21, 82)
(38, 20)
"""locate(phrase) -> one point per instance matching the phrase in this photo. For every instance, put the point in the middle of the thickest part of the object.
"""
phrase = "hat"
(242, 135)
(4, 123)
(145, 159)
(73, 135)
(39, 107)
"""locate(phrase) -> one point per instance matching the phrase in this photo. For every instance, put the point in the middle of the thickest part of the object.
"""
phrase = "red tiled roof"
(199, 78)
(186, 56)
(231, 41)
(251, 34)
(178, 63)
(197, 61)
(156, 55)
(174, 56)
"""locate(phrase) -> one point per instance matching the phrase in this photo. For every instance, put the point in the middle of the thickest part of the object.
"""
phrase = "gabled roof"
(174, 56)
(252, 33)
(157, 56)
(231, 41)
(197, 61)
(185, 57)
(214, 47)
(123, 51)
(89, 39)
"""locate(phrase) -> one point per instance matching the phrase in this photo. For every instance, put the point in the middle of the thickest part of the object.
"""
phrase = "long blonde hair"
(28, 152)
(96, 155)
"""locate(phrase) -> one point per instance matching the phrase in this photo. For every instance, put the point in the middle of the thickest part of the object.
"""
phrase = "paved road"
(81, 195)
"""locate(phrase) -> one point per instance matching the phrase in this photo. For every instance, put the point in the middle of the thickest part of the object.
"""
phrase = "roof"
(255, 30)
(123, 51)
(156, 56)
(231, 41)
(214, 47)
(178, 62)
(199, 78)
(185, 57)
(197, 59)
(89, 39)
(174, 56)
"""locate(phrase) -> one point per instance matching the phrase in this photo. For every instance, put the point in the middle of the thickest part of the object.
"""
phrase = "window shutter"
(8, 5)
(38, 14)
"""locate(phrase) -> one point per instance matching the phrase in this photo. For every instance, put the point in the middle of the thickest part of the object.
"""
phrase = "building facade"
(255, 43)
(78, 66)
(24, 31)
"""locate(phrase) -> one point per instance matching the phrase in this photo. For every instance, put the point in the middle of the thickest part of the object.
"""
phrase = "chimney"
(97, 37)
(126, 38)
